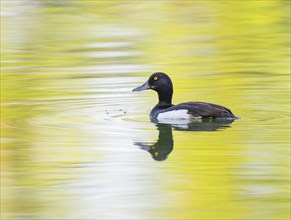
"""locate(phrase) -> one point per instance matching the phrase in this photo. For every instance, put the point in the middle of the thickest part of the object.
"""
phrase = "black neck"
(165, 98)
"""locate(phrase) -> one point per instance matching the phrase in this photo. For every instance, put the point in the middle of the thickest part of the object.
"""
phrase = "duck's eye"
(155, 78)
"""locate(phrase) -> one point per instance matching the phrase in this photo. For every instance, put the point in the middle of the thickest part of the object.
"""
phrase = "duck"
(189, 111)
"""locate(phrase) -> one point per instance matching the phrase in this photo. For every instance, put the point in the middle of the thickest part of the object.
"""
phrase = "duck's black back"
(205, 109)
(196, 109)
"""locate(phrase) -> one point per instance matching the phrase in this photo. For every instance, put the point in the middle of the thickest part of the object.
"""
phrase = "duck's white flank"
(181, 114)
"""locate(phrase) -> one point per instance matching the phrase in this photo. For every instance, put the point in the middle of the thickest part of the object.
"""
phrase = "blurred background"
(76, 143)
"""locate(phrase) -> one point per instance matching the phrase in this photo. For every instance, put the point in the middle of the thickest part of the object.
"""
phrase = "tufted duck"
(191, 111)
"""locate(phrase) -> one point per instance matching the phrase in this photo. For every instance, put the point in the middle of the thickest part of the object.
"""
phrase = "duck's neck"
(165, 98)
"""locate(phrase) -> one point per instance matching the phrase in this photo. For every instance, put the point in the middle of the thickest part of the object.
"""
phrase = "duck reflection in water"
(163, 147)
(165, 143)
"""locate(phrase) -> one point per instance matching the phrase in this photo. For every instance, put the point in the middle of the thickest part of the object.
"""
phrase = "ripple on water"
(121, 115)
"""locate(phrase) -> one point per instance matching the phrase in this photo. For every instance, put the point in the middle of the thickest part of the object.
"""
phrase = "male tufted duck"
(191, 111)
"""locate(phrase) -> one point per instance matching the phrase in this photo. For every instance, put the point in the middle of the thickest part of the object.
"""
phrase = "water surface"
(78, 144)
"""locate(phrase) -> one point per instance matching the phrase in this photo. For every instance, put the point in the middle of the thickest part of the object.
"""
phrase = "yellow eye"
(155, 78)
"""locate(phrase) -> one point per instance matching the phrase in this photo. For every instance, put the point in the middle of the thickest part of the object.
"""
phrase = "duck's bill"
(142, 87)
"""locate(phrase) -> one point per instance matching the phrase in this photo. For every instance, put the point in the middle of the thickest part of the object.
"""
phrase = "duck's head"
(157, 81)
(161, 83)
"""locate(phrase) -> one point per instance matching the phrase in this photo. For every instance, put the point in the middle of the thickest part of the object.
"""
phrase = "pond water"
(76, 143)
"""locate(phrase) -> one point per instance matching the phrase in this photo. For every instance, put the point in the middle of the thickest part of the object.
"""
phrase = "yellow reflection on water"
(70, 124)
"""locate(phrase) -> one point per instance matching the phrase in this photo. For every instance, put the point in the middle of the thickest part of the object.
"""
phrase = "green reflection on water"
(69, 121)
